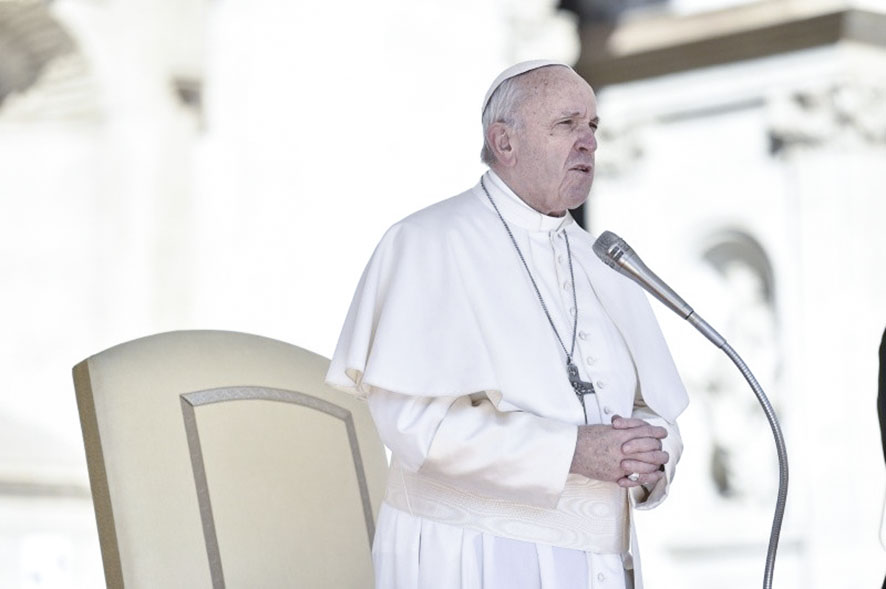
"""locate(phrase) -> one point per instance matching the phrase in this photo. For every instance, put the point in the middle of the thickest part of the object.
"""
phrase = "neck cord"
(580, 387)
(541, 300)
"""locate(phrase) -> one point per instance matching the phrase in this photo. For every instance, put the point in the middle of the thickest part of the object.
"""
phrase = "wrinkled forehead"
(553, 78)
(553, 89)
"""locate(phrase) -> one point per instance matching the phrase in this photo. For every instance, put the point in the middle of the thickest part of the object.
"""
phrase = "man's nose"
(587, 141)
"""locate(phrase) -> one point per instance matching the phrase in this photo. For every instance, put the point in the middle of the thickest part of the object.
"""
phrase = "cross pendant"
(581, 387)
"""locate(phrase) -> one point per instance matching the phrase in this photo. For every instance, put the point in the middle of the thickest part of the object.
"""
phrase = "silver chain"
(541, 300)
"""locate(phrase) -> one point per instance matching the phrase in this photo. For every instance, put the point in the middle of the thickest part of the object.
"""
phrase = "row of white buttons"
(583, 335)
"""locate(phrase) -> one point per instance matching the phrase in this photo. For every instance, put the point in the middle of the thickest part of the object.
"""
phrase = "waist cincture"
(591, 515)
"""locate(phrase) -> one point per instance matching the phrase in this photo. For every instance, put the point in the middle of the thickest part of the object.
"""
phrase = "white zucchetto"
(516, 70)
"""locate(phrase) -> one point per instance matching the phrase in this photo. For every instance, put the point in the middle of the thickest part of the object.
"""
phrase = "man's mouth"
(585, 169)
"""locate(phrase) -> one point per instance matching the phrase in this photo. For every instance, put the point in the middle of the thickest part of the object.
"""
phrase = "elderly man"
(524, 389)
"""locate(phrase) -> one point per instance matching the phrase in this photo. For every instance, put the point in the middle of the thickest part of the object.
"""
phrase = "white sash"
(591, 515)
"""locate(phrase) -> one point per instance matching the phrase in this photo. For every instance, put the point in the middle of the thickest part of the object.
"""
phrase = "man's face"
(555, 140)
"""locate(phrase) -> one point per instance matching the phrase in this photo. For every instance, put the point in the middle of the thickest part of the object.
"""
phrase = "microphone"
(618, 255)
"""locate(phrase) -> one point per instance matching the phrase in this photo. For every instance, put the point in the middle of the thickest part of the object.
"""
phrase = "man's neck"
(511, 183)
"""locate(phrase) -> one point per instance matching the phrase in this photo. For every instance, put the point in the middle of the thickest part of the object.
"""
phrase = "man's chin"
(578, 197)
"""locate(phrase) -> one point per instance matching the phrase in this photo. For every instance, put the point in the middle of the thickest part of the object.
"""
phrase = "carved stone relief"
(843, 115)
(43, 74)
(29, 40)
(740, 274)
(621, 148)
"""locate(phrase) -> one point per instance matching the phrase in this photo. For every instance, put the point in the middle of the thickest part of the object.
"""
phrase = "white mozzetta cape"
(445, 308)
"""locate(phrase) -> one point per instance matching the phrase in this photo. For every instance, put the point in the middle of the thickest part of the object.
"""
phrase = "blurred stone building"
(741, 154)
(97, 125)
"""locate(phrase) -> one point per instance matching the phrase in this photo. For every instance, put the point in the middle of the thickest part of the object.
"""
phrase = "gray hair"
(502, 108)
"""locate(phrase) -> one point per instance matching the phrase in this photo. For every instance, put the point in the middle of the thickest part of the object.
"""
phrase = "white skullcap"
(516, 70)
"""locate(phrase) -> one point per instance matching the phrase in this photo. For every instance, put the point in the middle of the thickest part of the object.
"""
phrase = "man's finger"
(641, 466)
(657, 458)
(648, 479)
(619, 422)
(636, 445)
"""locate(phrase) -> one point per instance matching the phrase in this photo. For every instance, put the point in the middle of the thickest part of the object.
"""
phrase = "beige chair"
(220, 459)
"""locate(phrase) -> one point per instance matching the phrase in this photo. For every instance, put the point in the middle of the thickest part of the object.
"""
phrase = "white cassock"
(468, 387)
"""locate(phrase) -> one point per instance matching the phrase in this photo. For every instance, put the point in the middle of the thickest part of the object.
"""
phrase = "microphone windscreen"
(603, 247)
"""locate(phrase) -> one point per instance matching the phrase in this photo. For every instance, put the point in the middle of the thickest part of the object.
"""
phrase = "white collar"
(516, 211)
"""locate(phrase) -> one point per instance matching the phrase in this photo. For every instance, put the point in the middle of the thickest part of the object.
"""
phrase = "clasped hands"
(612, 452)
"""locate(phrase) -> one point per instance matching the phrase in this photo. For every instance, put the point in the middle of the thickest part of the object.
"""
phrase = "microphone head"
(609, 247)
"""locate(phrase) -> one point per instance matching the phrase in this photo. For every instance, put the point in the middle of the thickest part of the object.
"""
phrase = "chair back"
(221, 459)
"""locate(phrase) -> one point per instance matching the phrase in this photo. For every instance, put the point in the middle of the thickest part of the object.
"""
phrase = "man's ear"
(502, 141)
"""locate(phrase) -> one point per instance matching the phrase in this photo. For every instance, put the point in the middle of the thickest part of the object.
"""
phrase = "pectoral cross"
(581, 387)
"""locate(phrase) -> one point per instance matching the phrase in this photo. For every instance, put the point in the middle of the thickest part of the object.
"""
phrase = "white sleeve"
(467, 442)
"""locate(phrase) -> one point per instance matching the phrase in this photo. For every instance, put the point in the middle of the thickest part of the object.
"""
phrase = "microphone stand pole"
(782, 462)
(719, 341)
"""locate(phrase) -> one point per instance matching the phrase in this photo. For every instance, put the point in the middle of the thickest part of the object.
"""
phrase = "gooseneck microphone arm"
(619, 256)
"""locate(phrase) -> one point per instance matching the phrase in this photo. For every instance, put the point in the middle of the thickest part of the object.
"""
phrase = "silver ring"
(634, 476)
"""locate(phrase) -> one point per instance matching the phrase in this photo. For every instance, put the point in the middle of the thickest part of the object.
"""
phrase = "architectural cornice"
(654, 45)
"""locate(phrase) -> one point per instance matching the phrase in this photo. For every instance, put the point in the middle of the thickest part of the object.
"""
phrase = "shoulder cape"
(444, 308)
